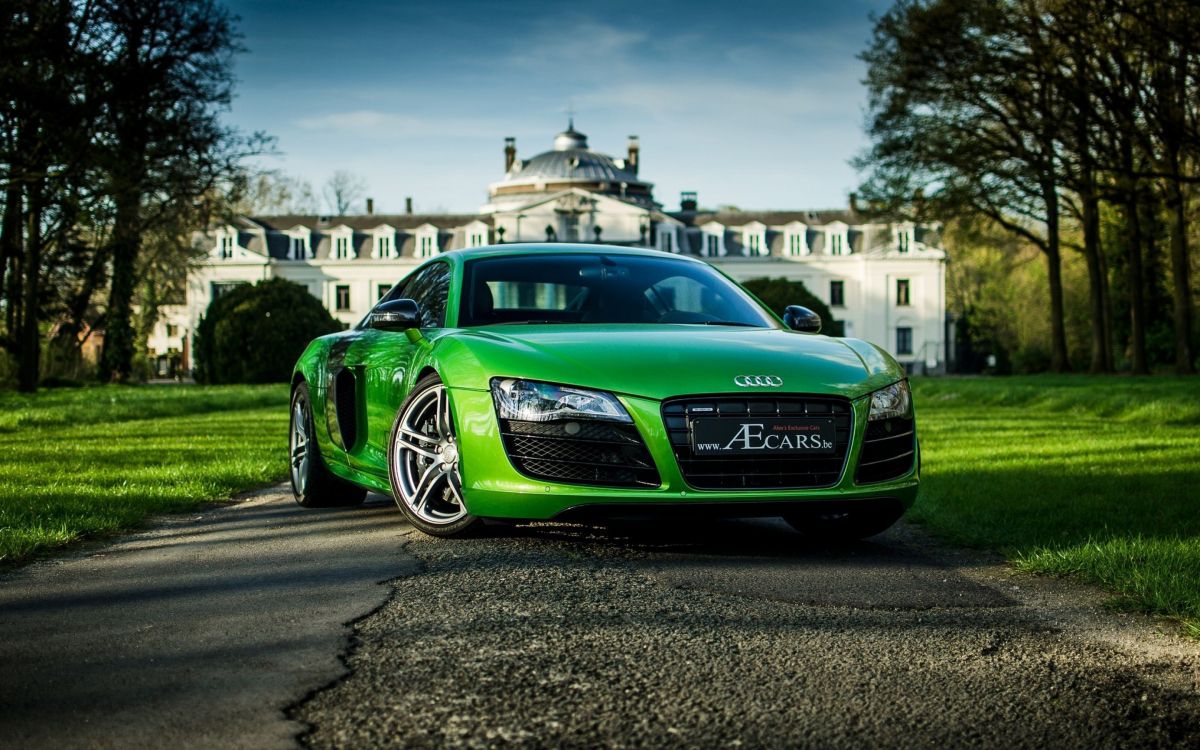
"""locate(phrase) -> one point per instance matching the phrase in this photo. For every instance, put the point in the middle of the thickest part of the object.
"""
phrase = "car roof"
(558, 248)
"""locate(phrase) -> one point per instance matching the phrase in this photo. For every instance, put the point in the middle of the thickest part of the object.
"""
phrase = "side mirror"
(395, 315)
(801, 319)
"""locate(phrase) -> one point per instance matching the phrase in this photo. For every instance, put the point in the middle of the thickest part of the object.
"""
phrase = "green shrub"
(777, 294)
(255, 334)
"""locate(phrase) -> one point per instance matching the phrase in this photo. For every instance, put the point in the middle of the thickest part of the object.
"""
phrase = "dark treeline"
(111, 150)
(1054, 120)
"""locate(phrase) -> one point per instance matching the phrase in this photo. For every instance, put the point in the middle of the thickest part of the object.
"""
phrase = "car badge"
(758, 381)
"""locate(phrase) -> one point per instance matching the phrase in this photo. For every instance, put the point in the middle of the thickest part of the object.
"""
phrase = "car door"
(380, 362)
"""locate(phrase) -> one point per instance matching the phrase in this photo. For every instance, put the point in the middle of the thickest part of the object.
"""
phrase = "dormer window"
(477, 234)
(227, 243)
(754, 238)
(427, 241)
(299, 247)
(385, 246)
(714, 239)
(836, 240)
(904, 236)
(796, 239)
(341, 247)
(666, 239)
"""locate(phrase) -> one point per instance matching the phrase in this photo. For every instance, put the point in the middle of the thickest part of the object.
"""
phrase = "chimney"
(370, 206)
(687, 200)
(854, 203)
(510, 154)
(632, 162)
(408, 205)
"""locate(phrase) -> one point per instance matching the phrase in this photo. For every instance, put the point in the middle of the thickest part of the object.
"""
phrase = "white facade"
(886, 281)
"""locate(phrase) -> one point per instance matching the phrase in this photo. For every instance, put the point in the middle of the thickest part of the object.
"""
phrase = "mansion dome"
(569, 164)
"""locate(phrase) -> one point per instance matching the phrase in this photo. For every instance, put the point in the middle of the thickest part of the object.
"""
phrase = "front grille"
(887, 452)
(742, 472)
(580, 452)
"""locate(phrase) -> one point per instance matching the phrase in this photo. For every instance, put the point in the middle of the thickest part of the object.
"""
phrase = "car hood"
(663, 361)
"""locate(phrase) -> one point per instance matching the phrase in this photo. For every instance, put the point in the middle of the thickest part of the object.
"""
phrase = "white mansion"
(885, 281)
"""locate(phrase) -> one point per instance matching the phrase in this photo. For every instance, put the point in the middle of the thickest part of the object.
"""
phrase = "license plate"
(762, 436)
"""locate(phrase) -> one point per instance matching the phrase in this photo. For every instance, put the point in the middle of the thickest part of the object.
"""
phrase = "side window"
(430, 289)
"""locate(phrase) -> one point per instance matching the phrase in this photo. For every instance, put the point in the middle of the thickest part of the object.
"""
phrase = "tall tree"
(43, 142)
(965, 109)
(169, 76)
(343, 190)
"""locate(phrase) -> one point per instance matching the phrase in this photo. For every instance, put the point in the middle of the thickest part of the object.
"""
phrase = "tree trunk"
(1181, 290)
(1058, 336)
(1096, 282)
(1137, 294)
(29, 339)
(117, 360)
(1110, 358)
(10, 257)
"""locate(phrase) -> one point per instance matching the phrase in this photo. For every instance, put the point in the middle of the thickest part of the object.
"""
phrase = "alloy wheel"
(300, 453)
(425, 459)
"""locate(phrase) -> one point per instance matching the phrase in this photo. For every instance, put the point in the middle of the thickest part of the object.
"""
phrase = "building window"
(902, 292)
(299, 248)
(903, 340)
(382, 290)
(428, 245)
(342, 295)
(666, 241)
(837, 294)
(754, 243)
(796, 244)
(341, 248)
(712, 245)
(226, 246)
(477, 239)
(172, 331)
(385, 244)
(903, 238)
(220, 288)
(837, 244)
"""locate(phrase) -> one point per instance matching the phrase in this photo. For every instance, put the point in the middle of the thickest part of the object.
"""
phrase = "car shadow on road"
(766, 559)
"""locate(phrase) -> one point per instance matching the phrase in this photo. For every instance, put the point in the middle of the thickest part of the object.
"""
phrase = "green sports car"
(557, 381)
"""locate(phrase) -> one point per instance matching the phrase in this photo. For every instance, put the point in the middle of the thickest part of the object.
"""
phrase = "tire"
(313, 485)
(844, 524)
(424, 466)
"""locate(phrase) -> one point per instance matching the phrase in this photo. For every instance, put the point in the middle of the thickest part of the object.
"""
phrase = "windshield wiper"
(730, 323)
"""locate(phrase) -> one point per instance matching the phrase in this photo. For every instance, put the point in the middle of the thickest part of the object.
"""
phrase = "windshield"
(579, 288)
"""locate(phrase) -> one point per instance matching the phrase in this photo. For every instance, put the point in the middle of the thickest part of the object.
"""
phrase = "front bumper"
(494, 489)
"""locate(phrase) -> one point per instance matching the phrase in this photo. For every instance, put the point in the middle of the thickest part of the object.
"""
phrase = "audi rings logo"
(758, 381)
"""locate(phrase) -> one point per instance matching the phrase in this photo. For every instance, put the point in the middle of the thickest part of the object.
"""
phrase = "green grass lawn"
(1093, 477)
(80, 462)
(1097, 478)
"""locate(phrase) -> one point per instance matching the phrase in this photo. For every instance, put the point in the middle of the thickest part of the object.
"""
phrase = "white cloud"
(578, 45)
(372, 122)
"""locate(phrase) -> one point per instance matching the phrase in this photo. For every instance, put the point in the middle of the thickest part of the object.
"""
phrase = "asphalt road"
(738, 634)
(227, 630)
(194, 634)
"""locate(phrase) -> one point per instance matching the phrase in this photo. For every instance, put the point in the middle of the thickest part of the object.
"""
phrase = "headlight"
(530, 401)
(893, 401)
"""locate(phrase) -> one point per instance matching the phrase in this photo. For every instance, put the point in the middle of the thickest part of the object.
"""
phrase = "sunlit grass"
(83, 462)
(1097, 478)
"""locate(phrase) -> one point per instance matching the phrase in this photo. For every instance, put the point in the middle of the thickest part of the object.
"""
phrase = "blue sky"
(756, 104)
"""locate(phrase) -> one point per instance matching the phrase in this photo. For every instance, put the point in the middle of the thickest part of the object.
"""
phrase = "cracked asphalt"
(739, 634)
(265, 625)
